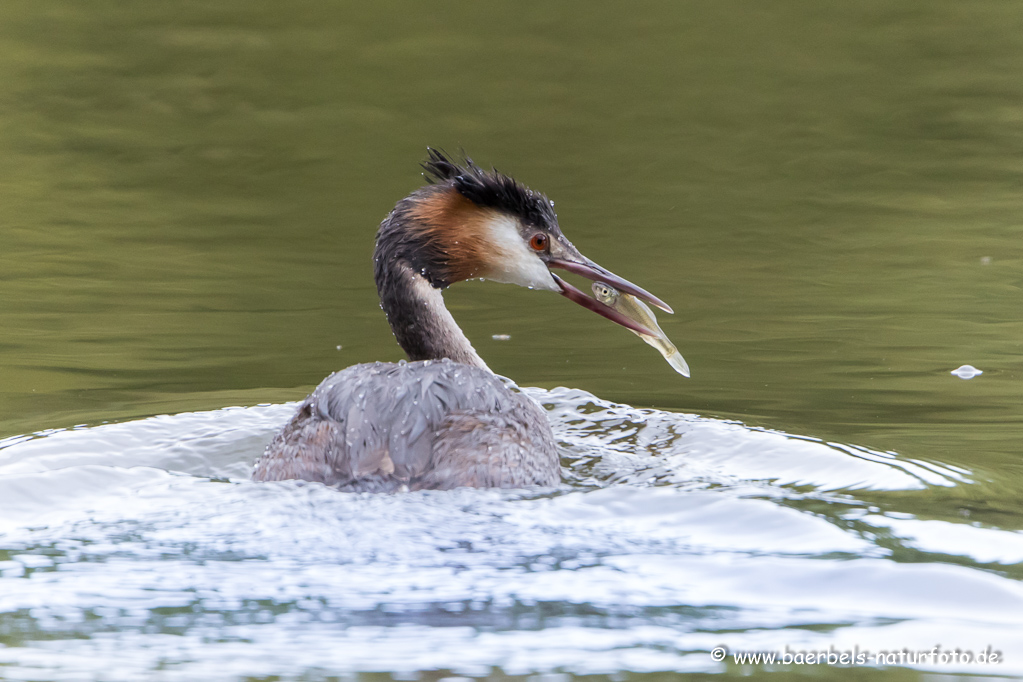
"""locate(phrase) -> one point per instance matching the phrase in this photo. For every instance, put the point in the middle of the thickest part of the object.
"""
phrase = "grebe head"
(473, 223)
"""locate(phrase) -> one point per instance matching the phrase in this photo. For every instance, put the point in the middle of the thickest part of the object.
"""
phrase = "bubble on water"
(967, 372)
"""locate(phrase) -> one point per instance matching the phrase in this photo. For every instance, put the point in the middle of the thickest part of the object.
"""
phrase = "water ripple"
(671, 534)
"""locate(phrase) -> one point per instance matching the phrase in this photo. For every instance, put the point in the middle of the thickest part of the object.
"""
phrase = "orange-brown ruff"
(443, 420)
(454, 227)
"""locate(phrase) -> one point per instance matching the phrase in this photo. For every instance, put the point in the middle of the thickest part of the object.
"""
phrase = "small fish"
(635, 309)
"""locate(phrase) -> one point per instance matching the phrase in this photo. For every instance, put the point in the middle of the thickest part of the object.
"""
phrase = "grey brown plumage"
(420, 425)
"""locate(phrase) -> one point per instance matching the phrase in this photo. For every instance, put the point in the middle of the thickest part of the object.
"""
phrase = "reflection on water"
(827, 194)
(673, 534)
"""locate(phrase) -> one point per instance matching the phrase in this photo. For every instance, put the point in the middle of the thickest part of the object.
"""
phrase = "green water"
(191, 192)
(828, 194)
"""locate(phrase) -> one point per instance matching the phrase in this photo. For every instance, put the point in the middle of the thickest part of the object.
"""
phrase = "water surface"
(827, 194)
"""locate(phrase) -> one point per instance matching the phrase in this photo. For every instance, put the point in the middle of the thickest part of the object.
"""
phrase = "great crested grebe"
(442, 420)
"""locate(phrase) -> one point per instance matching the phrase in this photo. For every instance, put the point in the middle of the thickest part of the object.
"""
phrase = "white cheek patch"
(510, 260)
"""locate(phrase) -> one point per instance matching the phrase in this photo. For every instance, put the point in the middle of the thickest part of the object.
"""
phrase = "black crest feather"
(491, 189)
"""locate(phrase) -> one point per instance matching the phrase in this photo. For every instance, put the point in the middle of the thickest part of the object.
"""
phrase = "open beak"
(584, 267)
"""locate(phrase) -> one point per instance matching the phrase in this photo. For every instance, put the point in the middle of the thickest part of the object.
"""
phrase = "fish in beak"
(565, 256)
(635, 309)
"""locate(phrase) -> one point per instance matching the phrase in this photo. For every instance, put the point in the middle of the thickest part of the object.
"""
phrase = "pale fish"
(635, 309)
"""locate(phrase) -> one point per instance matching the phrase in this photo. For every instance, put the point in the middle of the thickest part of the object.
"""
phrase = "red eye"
(538, 241)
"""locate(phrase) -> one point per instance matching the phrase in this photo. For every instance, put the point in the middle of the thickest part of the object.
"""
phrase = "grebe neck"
(421, 322)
